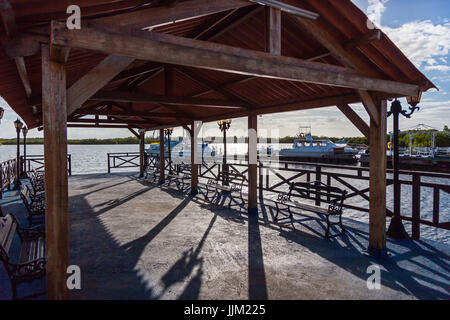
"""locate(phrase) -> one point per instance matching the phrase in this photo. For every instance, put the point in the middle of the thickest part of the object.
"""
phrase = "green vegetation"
(129, 140)
(419, 140)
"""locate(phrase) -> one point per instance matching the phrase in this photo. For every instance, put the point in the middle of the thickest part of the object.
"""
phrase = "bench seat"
(31, 261)
(310, 191)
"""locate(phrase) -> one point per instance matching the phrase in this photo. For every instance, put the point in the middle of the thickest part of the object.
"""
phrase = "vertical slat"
(436, 200)
(56, 195)
(161, 157)
(318, 180)
(194, 160)
(377, 189)
(261, 181)
(415, 229)
(141, 152)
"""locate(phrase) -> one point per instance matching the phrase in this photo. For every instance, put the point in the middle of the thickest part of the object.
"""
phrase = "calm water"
(93, 159)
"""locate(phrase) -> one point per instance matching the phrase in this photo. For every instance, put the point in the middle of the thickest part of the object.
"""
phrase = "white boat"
(180, 151)
(305, 148)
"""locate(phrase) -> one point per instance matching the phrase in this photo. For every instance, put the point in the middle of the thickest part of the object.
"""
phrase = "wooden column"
(141, 153)
(56, 191)
(378, 162)
(273, 30)
(252, 165)
(194, 160)
(161, 157)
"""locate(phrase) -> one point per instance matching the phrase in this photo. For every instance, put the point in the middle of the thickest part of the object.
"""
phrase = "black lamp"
(18, 125)
(24, 132)
(224, 125)
(2, 112)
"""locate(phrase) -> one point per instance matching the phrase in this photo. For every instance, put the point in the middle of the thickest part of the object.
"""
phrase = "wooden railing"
(274, 177)
(37, 162)
(8, 174)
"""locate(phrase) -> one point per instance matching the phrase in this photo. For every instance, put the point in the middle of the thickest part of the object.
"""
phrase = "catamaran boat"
(205, 152)
(180, 151)
(153, 150)
(305, 148)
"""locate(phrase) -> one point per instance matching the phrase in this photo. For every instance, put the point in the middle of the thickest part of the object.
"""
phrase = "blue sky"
(420, 28)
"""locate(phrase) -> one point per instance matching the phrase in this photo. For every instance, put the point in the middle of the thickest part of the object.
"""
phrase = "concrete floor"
(135, 240)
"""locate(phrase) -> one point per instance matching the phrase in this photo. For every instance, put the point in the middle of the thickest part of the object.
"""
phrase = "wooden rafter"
(176, 50)
(152, 17)
(355, 119)
(139, 97)
(94, 80)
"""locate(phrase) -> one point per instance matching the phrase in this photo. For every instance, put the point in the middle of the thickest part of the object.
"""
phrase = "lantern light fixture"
(18, 125)
(24, 131)
(414, 100)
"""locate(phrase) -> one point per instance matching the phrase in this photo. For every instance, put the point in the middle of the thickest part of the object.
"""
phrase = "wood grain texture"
(194, 53)
(377, 192)
(253, 164)
(94, 80)
(56, 189)
(355, 119)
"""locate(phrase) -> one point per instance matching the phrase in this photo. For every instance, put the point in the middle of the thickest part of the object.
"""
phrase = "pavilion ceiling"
(148, 94)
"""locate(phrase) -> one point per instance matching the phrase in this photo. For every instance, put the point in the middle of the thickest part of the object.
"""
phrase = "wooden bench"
(182, 177)
(151, 173)
(37, 181)
(34, 202)
(311, 191)
(30, 263)
(234, 183)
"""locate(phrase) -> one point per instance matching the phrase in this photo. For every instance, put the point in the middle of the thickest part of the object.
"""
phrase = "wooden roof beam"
(139, 97)
(355, 119)
(94, 80)
(369, 37)
(9, 24)
(282, 6)
(140, 114)
(158, 16)
(194, 53)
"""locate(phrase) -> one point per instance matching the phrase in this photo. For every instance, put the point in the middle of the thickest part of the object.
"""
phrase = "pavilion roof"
(139, 95)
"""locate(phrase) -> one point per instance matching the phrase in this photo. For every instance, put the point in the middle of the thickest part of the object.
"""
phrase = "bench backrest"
(8, 227)
(232, 176)
(310, 190)
(184, 168)
(25, 194)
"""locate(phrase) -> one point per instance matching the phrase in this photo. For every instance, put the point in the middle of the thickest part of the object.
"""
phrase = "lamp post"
(224, 125)
(24, 132)
(396, 229)
(2, 112)
(18, 125)
(168, 132)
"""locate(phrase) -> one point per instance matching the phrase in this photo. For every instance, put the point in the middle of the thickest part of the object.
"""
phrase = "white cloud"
(375, 10)
(423, 42)
(442, 68)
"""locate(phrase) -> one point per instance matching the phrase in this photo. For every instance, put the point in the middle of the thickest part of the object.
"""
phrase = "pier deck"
(136, 240)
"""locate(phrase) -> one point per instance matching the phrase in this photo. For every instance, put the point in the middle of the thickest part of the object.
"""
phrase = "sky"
(421, 29)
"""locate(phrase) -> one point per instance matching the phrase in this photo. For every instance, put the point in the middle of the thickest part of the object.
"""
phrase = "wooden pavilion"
(154, 64)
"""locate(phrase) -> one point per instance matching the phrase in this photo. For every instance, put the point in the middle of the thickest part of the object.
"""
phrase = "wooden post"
(378, 161)
(273, 30)
(161, 157)
(194, 160)
(252, 165)
(56, 190)
(141, 152)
